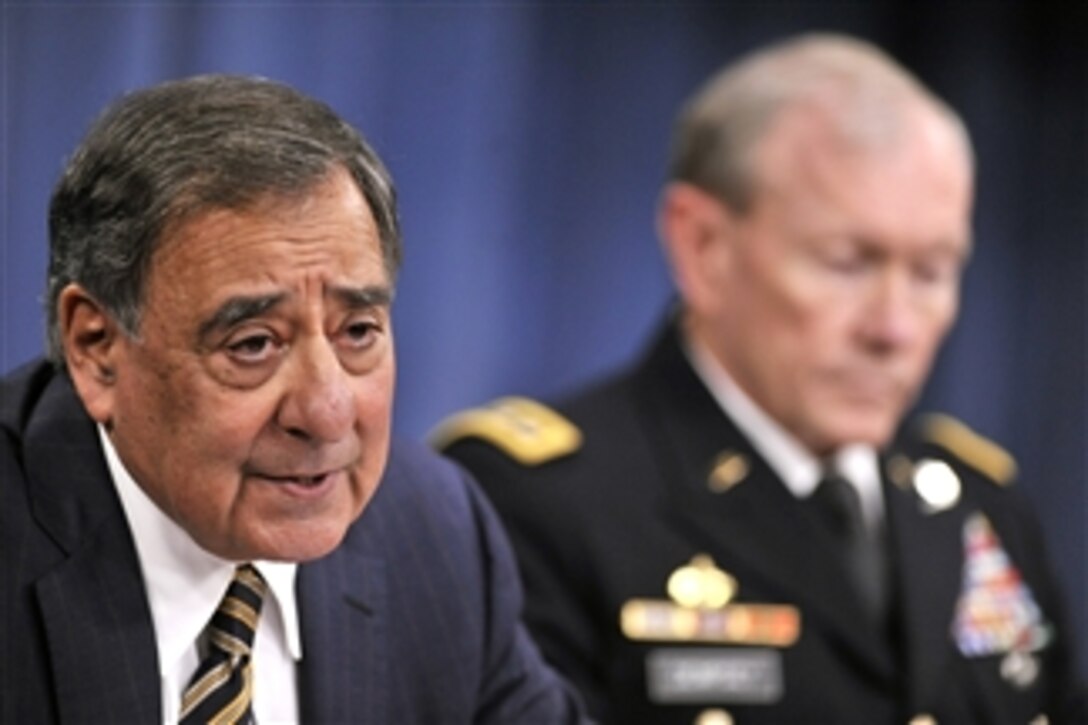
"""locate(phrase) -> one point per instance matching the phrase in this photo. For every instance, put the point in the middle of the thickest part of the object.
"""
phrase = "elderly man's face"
(254, 407)
(841, 282)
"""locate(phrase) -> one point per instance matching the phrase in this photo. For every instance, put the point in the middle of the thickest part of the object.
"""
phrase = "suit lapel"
(101, 645)
(928, 586)
(344, 676)
(757, 527)
(94, 609)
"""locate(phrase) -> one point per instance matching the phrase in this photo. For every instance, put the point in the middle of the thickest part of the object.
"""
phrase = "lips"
(868, 385)
(300, 487)
(307, 481)
(300, 480)
(300, 473)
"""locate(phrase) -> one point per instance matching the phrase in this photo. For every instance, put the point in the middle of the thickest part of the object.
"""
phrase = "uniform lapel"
(928, 581)
(344, 676)
(757, 528)
(757, 531)
(94, 609)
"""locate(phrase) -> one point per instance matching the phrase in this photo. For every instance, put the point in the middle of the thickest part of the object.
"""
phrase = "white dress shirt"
(798, 469)
(184, 586)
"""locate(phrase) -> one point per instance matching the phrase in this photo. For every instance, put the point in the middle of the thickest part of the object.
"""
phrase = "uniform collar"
(795, 466)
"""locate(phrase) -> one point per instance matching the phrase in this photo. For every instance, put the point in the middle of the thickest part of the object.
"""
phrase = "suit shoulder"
(527, 431)
(954, 438)
(414, 460)
(421, 487)
(20, 392)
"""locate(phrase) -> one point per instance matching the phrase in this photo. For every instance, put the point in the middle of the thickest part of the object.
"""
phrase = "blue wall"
(528, 143)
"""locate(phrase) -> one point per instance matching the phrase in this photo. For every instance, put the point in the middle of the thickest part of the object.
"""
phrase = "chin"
(306, 545)
(291, 542)
(865, 426)
(877, 434)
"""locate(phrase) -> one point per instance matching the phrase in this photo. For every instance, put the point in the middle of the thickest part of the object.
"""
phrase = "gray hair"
(859, 87)
(165, 154)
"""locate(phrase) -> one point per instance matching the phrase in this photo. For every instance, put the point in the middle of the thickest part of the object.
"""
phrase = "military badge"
(937, 485)
(699, 610)
(996, 612)
(687, 675)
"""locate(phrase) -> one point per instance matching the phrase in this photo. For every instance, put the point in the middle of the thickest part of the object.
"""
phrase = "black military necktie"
(221, 689)
(839, 507)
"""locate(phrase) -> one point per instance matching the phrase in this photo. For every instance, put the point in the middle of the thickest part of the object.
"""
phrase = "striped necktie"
(221, 689)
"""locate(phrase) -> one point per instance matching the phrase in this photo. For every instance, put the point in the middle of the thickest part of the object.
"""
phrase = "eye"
(360, 334)
(927, 273)
(253, 349)
(841, 256)
(844, 262)
(846, 265)
(937, 271)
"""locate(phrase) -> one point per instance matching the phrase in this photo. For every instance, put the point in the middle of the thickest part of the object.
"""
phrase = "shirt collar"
(794, 465)
(184, 583)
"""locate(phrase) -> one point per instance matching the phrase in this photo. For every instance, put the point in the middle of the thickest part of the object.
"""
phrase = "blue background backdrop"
(528, 143)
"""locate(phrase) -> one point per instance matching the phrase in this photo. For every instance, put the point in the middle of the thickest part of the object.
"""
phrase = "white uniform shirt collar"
(185, 583)
(795, 466)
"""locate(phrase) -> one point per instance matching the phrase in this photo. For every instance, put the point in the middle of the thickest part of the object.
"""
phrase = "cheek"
(373, 408)
(153, 410)
(925, 352)
(785, 293)
(374, 400)
(941, 322)
(231, 429)
(798, 326)
(221, 432)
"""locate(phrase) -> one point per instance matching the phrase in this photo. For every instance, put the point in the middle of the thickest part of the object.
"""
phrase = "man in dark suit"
(203, 517)
(739, 528)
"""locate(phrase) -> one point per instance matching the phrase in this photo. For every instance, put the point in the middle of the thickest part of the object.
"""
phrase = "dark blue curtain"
(528, 143)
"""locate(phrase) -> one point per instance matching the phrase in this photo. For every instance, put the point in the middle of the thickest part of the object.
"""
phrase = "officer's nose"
(892, 317)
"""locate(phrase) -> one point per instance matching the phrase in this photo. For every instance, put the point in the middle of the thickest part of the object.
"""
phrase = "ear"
(696, 230)
(92, 341)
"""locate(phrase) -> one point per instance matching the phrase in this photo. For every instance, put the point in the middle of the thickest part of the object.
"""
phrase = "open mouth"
(304, 481)
(309, 481)
(315, 479)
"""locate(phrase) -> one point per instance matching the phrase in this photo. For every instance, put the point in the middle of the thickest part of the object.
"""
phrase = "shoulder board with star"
(975, 450)
(529, 432)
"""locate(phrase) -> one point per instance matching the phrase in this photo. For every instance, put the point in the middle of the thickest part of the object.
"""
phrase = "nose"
(319, 403)
(893, 315)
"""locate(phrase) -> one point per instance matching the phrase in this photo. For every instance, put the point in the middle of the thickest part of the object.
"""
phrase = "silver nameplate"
(714, 674)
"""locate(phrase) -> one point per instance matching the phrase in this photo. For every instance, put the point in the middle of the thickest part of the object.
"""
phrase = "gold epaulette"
(529, 432)
(973, 449)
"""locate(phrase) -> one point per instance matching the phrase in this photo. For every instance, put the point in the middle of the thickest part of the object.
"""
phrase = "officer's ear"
(695, 229)
(92, 340)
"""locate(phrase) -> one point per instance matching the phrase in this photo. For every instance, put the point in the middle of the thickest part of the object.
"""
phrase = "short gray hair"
(862, 88)
(165, 154)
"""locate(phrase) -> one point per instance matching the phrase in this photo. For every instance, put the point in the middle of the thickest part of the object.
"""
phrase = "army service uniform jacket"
(642, 484)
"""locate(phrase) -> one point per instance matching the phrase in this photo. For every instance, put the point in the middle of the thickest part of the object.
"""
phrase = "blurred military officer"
(742, 528)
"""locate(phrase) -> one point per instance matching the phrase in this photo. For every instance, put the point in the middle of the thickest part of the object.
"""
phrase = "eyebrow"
(242, 308)
(363, 297)
(238, 309)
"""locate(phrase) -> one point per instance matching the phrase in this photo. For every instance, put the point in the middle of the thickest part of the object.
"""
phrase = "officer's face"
(254, 407)
(838, 286)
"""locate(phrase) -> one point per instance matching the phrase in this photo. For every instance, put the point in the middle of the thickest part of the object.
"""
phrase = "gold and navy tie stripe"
(221, 689)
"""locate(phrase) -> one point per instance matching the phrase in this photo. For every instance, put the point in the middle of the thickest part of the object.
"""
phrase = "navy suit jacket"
(414, 618)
